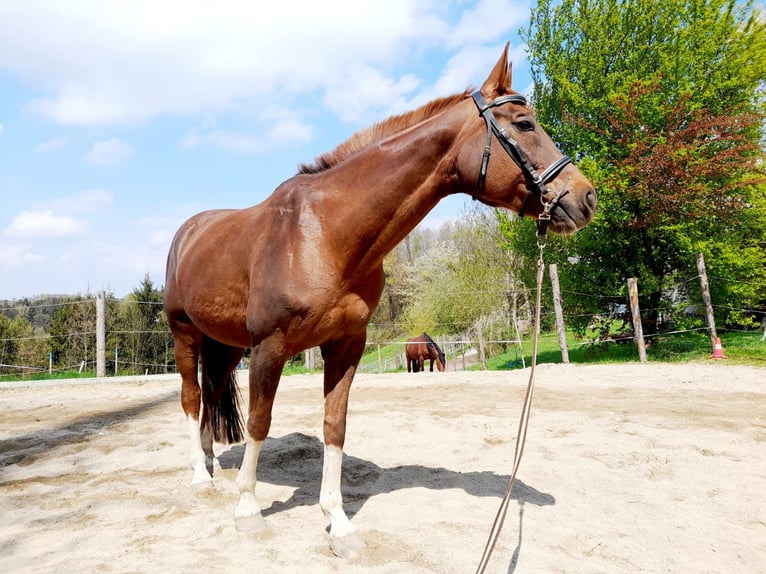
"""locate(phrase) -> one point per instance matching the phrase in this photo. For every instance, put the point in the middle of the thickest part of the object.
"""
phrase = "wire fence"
(128, 353)
(131, 336)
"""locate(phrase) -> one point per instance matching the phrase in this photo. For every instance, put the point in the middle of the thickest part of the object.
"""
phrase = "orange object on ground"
(717, 350)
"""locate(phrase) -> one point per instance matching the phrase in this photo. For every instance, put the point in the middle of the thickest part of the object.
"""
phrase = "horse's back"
(225, 241)
(415, 347)
(196, 247)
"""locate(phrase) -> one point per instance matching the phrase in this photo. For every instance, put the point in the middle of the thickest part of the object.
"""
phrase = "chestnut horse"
(421, 348)
(304, 268)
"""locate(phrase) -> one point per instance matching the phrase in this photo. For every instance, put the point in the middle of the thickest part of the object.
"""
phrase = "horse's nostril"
(590, 199)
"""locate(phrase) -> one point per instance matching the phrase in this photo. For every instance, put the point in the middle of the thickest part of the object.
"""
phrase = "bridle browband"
(512, 148)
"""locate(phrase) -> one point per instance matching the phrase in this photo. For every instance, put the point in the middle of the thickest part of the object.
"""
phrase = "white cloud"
(2, 129)
(228, 140)
(291, 130)
(489, 19)
(284, 129)
(160, 229)
(41, 224)
(178, 57)
(51, 145)
(18, 255)
(233, 141)
(360, 90)
(108, 152)
(85, 201)
(469, 67)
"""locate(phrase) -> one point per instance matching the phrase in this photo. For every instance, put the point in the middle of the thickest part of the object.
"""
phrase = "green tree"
(73, 333)
(465, 282)
(662, 105)
(140, 331)
(17, 345)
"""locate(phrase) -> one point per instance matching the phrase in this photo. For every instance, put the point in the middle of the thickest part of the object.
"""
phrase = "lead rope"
(521, 436)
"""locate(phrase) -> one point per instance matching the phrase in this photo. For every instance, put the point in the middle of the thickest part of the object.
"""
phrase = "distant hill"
(38, 310)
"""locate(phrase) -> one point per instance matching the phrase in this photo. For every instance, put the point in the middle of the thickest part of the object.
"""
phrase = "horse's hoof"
(346, 546)
(202, 475)
(202, 485)
(252, 523)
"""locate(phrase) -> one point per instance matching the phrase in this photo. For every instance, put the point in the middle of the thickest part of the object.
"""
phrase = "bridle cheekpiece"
(512, 148)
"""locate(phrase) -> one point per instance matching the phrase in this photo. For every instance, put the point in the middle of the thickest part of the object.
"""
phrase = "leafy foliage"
(662, 105)
(452, 280)
(141, 331)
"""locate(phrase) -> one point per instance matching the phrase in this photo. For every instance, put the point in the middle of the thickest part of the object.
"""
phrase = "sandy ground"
(628, 468)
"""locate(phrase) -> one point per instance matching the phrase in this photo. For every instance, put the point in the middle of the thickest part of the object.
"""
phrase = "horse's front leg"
(266, 362)
(341, 359)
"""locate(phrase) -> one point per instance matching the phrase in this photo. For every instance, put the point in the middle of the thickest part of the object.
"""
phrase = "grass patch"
(739, 348)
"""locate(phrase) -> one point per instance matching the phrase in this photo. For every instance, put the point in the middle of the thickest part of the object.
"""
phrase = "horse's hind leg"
(186, 347)
(341, 359)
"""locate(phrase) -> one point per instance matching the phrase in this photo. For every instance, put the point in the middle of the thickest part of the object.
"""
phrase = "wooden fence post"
(482, 356)
(706, 298)
(100, 336)
(309, 358)
(638, 330)
(560, 327)
(445, 349)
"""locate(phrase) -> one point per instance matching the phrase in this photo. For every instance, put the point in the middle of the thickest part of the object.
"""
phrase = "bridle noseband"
(512, 148)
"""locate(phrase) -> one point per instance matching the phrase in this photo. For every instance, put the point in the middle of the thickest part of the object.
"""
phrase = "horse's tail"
(220, 394)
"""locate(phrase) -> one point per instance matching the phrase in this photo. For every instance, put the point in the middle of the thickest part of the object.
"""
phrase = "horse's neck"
(389, 187)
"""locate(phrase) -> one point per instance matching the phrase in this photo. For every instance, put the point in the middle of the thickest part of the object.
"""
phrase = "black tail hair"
(220, 408)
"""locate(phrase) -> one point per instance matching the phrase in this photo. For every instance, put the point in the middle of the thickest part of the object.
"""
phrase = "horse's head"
(441, 362)
(526, 173)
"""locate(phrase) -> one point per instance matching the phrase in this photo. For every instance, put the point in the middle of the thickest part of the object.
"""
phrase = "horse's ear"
(499, 80)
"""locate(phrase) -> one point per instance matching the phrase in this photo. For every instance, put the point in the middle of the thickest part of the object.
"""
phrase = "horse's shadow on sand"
(296, 460)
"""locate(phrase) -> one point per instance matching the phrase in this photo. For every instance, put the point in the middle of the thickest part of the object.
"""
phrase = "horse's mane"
(430, 342)
(378, 131)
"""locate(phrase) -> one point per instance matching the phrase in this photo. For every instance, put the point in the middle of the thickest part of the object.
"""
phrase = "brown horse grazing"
(418, 349)
(304, 268)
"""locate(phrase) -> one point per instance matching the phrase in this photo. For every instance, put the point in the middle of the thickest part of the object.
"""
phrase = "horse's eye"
(524, 126)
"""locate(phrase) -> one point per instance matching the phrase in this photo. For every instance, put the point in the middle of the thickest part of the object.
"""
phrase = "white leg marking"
(248, 513)
(198, 456)
(330, 497)
(344, 541)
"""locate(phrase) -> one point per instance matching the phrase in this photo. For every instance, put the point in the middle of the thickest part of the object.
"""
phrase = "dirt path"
(628, 468)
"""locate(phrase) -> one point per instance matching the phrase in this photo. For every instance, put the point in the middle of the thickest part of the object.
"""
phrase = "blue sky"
(118, 120)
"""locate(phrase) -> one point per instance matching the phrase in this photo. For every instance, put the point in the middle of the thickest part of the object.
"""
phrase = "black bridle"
(536, 182)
